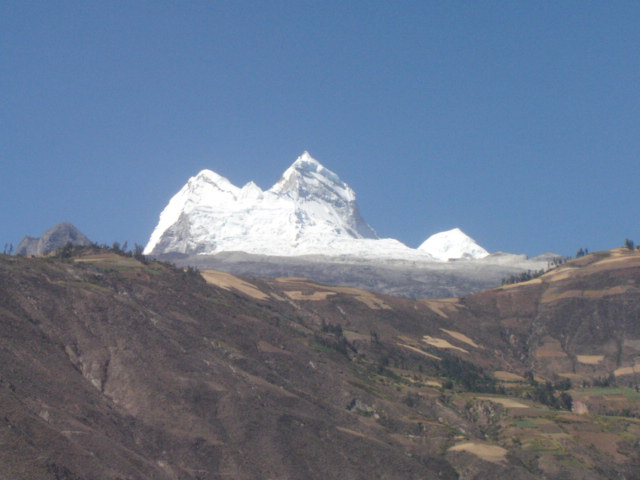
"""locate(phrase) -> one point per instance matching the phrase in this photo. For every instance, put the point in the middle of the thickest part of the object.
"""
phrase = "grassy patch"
(629, 393)
(322, 348)
(573, 462)
(92, 287)
(110, 261)
(526, 423)
(546, 446)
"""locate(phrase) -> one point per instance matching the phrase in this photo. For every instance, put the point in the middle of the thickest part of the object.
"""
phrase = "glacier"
(309, 211)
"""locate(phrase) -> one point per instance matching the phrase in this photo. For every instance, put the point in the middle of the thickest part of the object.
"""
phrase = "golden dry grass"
(627, 371)
(231, 282)
(315, 296)
(505, 402)
(554, 294)
(109, 260)
(563, 274)
(590, 359)
(542, 353)
(417, 350)
(620, 258)
(507, 376)
(351, 432)
(490, 453)
(441, 343)
(442, 307)
(461, 337)
(516, 285)
(368, 298)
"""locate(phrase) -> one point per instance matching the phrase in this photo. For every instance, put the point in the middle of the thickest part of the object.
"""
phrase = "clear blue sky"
(518, 122)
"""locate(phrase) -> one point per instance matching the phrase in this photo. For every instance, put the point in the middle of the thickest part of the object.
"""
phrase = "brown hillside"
(113, 369)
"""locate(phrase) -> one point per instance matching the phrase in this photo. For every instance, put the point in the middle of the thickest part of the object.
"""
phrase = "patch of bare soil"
(490, 453)
(507, 376)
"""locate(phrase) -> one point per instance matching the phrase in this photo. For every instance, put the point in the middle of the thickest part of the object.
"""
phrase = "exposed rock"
(54, 239)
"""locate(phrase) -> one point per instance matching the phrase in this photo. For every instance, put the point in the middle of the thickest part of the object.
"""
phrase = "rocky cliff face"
(54, 239)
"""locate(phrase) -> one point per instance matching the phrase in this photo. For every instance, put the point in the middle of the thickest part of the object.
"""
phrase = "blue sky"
(518, 122)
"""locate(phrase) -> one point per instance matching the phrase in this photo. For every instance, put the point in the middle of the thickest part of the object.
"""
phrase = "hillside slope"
(112, 368)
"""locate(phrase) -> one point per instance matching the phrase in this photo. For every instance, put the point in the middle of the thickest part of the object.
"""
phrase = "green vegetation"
(630, 393)
(574, 463)
(546, 445)
(69, 251)
(331, 337)
(92, 287)
(467, 375)
(523, 277)
(551, 394)
(526, 423)
(582, 252)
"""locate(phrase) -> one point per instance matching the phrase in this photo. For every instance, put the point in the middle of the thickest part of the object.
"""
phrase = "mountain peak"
(307, 177)
(62, 234)
(452, 244)
(309, 207)
(214, 179)
(306, 159)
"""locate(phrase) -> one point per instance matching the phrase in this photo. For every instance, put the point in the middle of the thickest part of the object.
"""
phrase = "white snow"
(309, 211)
(452, 245)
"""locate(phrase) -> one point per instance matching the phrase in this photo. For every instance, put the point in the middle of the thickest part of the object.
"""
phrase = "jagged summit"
(452, 244)
(305, 161)
(307, 177)
(209, 177)
(310, 210)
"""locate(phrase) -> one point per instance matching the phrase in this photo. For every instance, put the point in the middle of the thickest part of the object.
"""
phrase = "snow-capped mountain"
(452, 244)
(310, 210)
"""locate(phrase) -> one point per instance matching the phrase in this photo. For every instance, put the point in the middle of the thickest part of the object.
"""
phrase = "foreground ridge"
(113, 366)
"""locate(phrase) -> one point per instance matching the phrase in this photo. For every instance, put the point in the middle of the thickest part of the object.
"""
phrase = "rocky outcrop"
(54, 239)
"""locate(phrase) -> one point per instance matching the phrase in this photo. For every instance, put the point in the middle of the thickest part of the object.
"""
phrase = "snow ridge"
(309, 211)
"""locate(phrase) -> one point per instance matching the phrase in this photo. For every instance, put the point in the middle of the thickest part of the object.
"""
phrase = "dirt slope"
(115, 369)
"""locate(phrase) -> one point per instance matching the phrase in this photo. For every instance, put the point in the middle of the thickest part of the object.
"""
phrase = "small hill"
(54, 239)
